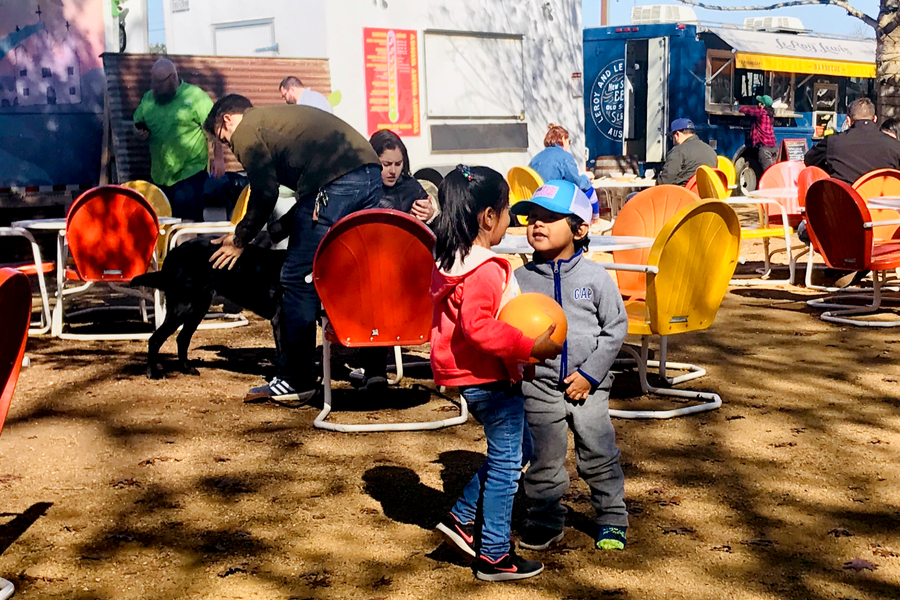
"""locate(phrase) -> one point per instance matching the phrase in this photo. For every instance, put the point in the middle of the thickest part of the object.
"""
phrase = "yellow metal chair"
(523, 182)
(725, 165)
(688, 272)
(160, 203)
(710, 185)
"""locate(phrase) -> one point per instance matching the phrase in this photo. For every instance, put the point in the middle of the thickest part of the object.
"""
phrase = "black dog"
(189, 281)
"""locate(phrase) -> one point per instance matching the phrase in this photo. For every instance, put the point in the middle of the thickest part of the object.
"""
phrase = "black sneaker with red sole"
(508, 567)
(461, 535)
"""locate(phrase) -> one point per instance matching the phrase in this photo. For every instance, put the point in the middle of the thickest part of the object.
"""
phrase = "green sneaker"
(611, 538)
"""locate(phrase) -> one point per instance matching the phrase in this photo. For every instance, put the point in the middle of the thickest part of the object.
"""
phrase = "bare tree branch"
(852, 11)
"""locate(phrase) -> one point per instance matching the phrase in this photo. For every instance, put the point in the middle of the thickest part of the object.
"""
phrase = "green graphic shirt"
(178, 147)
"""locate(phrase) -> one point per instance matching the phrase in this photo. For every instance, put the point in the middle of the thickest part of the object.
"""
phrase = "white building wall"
(299, 25)
(333, 29)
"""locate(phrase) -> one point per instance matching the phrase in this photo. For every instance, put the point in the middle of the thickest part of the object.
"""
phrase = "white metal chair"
(38, 268)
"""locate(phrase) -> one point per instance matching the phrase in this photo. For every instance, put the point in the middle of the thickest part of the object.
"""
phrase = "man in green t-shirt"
(171, 117)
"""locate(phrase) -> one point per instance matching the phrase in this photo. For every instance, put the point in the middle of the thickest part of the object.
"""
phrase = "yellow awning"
(788, 64)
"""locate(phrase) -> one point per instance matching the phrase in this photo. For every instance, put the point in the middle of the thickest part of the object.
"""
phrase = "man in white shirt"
(293, 92)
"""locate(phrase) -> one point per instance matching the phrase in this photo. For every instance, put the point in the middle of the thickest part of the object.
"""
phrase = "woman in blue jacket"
(556, 162)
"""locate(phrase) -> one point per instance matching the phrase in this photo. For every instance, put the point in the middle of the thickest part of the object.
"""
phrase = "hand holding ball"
(533, 314)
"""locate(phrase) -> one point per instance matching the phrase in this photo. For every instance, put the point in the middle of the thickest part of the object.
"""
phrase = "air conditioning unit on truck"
(638, 78)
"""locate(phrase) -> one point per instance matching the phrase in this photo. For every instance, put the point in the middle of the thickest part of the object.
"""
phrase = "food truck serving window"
(719, 80)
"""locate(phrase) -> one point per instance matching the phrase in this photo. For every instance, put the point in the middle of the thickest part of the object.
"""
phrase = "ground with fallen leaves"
(113, 486)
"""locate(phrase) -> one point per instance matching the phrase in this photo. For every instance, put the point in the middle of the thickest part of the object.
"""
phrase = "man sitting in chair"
(688, 153)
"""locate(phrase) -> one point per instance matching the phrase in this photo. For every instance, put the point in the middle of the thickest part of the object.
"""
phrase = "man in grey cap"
(688, 153)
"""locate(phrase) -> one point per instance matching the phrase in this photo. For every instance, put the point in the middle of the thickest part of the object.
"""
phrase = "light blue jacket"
(555, 163)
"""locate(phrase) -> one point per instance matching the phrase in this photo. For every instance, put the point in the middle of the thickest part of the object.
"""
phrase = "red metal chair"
(840, 228)
(372, 271)
(783, 174)
(691, 185)
(37, 268)
(15, 317)
(806, 178)
(111, 234)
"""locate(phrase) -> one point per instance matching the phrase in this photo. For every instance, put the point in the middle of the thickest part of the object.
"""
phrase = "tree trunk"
(887, 61)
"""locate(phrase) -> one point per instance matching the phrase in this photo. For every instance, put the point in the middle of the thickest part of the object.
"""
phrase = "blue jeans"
(502, 414)
(357, 190)
(186, 196)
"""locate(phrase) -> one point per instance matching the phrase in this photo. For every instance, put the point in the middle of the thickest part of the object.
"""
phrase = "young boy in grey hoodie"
(572, 390)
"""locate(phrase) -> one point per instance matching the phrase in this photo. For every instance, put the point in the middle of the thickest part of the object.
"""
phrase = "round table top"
(783, 192)
(605, 182)
(518, 244)
(59, 224)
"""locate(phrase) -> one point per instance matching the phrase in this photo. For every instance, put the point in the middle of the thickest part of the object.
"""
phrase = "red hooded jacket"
(469, 346)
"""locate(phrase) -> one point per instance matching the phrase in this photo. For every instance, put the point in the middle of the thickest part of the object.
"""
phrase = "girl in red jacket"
(472, 350)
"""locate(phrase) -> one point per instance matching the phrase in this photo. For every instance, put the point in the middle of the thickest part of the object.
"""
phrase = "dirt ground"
(113, 486)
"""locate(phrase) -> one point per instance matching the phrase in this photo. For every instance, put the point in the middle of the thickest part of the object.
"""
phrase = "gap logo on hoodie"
(584, 293)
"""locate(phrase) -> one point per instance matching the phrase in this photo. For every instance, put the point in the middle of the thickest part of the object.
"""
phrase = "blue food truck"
(643, 76)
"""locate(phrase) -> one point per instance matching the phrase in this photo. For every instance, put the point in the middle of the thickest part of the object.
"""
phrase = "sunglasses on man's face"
(219, 133)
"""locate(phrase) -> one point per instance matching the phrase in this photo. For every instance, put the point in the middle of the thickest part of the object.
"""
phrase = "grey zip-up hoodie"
(595, 313)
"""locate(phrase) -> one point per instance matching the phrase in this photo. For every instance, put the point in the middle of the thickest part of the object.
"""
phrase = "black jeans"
(767, 155)
(357, 190)
(186, 196)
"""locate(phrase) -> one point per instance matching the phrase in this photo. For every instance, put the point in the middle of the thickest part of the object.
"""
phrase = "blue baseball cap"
(557, 196)
(681, 124)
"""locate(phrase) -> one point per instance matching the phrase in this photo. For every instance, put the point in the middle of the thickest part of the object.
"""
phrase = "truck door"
(635, 125)
(646, 115)
(657, 98)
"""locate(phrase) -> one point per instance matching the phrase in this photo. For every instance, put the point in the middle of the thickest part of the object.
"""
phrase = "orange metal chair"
(875, 184)
(111, 234)
(645, 215)
(688, 270)
(372, 271)
(840, 228)
(15, 316)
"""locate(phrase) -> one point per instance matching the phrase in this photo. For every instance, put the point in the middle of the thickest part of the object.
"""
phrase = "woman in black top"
(401, 191)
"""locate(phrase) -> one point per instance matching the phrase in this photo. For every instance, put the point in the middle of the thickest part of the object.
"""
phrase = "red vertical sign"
(392, 80)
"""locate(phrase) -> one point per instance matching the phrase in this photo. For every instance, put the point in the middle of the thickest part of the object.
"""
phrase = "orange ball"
(533, 313)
